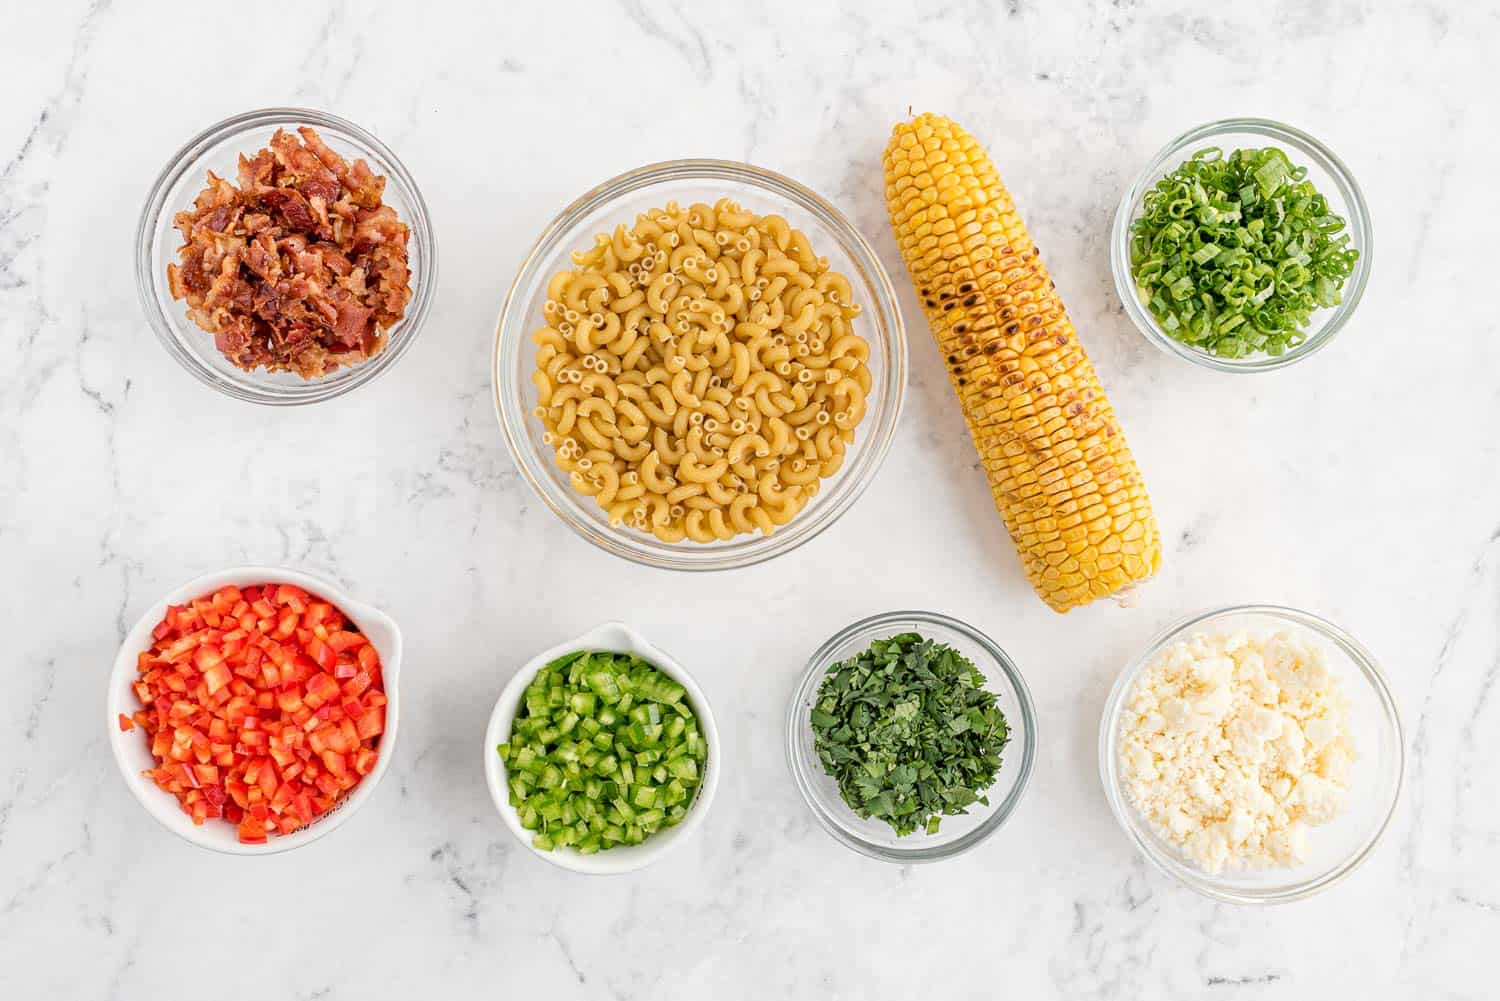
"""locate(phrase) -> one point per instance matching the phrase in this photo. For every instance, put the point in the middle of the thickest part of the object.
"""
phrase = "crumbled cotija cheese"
(1232, 744)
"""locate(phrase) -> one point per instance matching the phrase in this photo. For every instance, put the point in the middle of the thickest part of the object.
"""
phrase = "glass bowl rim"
(1307, 145)
(186, 158)
(648, 551)
(818, 664)
(1202, 882)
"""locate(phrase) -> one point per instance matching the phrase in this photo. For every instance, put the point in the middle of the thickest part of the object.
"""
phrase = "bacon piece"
(262, 259)
(319, 302)
(175, 282)
(318, 206)
(292, 207)
(266, 304)
(234, 336)
(255, 222)
(299, 267)
(298, 163)
(334, 259)
(307, 262)
(354, 280)
(322, 188)
(353, 319)
(256, 171)
(363, 186)
(221, 290)
(378, 226)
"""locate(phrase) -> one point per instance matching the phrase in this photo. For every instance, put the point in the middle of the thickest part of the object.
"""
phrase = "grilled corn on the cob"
(1057, 462)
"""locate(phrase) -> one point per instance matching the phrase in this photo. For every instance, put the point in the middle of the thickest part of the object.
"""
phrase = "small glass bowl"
(619, 201)
(956, 834)
(1335, 849)
(1326, 171)
(157, 240)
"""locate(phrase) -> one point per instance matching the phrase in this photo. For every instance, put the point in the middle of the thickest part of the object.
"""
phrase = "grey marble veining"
(1363, 484)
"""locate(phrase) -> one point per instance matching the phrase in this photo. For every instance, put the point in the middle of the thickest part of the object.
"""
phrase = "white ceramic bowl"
(133, 755)
(611, 637)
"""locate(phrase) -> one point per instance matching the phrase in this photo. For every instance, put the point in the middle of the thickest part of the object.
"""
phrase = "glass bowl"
(157, 240)
(1334, 850)
(956, 834)
(619, 201)
(1326, 171)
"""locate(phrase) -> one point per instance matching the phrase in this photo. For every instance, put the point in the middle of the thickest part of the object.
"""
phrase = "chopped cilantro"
(909, 732)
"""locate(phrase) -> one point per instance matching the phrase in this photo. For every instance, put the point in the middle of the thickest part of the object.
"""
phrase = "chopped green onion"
(1233, 253)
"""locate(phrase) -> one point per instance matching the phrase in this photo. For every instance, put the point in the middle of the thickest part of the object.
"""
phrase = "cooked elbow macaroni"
(698, 374)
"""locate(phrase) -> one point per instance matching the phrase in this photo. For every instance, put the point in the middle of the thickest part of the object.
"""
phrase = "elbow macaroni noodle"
(699, 374)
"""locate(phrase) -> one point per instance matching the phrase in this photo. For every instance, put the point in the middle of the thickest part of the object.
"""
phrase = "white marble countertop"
(1362, 485)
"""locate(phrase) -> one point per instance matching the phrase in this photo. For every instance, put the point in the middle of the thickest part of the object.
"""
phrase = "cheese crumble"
(1233, 744)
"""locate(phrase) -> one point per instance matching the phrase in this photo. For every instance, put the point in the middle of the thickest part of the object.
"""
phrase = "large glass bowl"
(619, 201)
(1326, 171)
(1335, 849)
(955, 834)
(218, 149)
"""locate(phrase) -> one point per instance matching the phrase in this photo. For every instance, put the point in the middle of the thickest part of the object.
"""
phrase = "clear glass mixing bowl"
(619, 201)
(1335, 849)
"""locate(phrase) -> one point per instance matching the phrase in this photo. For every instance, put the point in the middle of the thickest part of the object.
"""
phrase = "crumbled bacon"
(299, 268)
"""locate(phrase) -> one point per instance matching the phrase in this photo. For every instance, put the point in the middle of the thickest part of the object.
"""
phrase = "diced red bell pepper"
(225, 598)
(323, 654)
(252, 831)
(260, 706)
(364, 760)
(371, 723)
(217, 676)
(346, 639)
(292, 596)
(320, 689)
(357, 684)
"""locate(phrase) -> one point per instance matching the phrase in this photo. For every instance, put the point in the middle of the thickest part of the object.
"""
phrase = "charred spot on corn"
(1061, 474)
